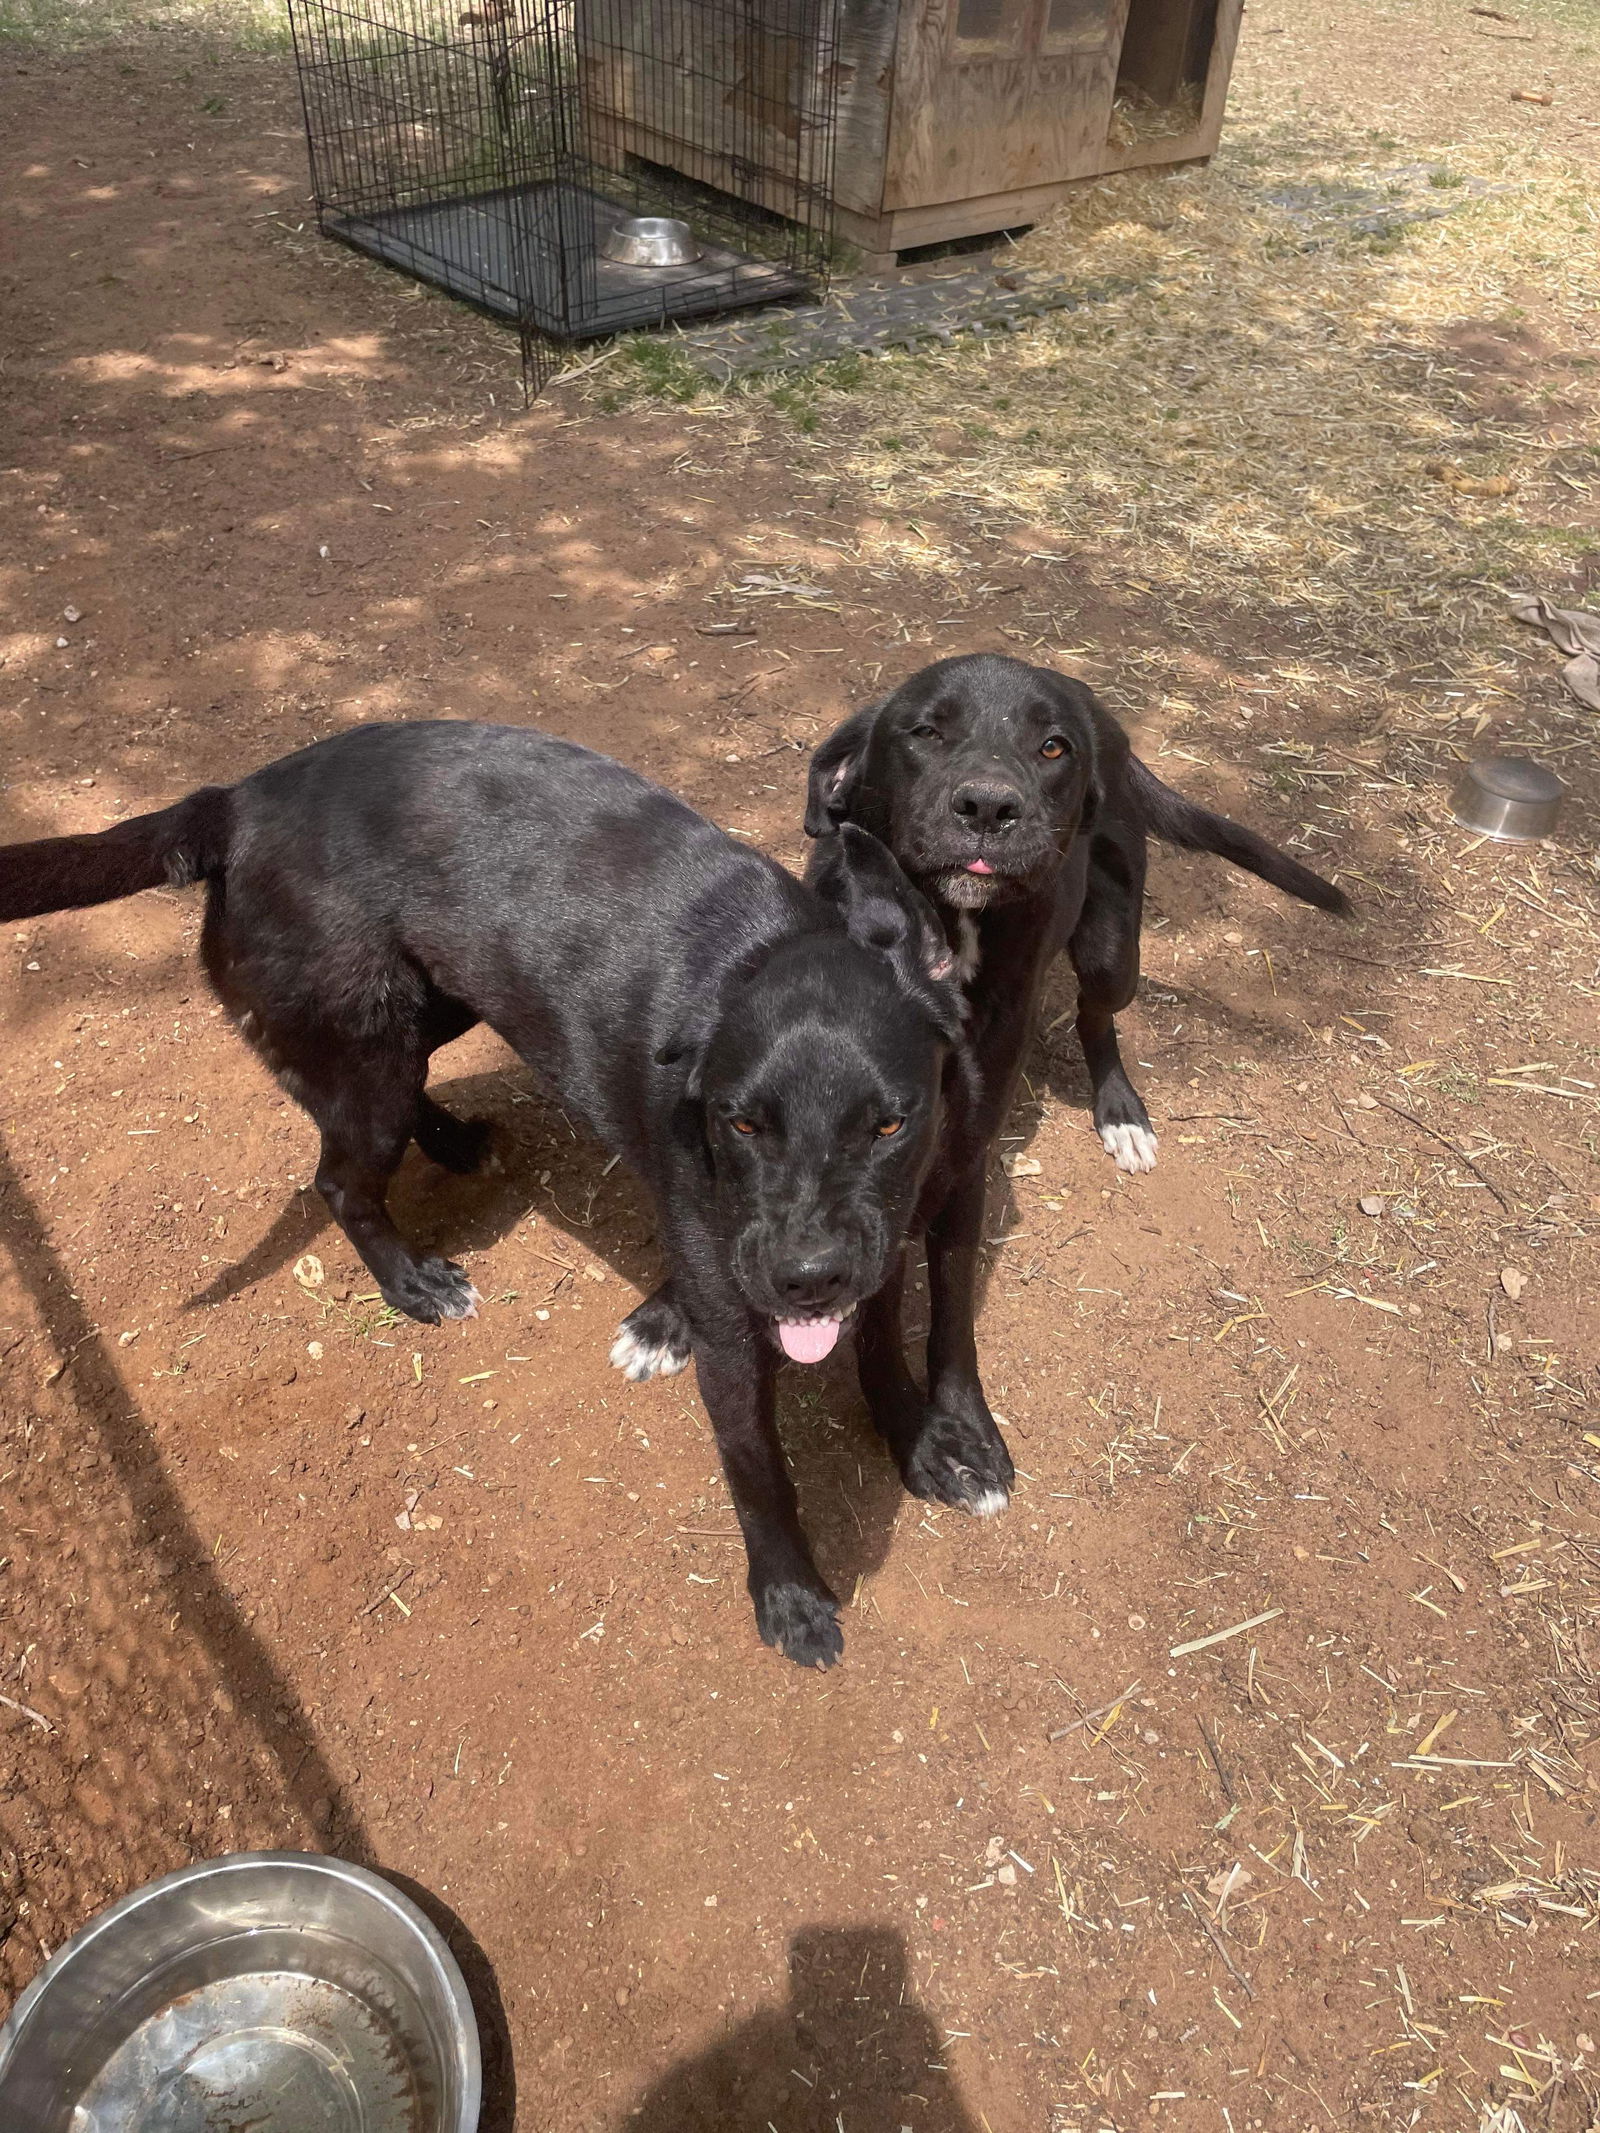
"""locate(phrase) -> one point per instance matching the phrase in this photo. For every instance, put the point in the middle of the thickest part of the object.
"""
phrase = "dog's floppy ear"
(1098, 737)
(884, 910)
(834, 768)
(686, 1048)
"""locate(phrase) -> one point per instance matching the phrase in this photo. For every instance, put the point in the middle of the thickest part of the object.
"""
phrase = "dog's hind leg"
(366, 1111)
(349, 1039)
(1104, 949)
(1120, 1117)
(653, 1340)
(458, 1144)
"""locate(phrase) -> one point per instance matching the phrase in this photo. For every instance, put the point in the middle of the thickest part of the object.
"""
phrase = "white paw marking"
(641, 1360)
(988, 1503)
(1130, 1147)
(969, 952)
(467, 1308)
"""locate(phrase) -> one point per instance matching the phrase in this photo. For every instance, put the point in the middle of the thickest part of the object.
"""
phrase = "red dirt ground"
(693, 1886)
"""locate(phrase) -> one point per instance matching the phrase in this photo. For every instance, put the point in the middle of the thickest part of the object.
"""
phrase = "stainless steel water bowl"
(278, 1991)
(1508, 797)
(651, 241)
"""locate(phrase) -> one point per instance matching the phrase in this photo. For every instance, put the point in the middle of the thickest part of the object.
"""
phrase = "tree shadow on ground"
(174, 1723)
(852, 2047)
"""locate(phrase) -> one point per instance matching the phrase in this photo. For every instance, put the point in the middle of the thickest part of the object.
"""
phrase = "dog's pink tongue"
(808, 1340)
(980, 866)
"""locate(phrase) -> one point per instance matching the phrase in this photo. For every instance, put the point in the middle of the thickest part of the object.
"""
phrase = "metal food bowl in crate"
(277, 1991)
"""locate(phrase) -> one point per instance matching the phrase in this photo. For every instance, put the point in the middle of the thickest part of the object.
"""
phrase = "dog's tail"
(1169, 816)
(185, 842)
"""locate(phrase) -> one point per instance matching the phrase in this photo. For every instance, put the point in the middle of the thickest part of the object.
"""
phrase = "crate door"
(996, 96)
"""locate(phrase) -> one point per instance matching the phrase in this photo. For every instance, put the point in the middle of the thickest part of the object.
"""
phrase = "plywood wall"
(976, 118)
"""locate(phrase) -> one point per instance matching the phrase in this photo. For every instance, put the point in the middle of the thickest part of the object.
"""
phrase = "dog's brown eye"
(924, 733)
(1053, 747)
(743, 1125)
(887, 1128)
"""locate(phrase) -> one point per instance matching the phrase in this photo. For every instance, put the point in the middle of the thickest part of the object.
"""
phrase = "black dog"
(1010, 796)
(767, 1055)
(970, 773)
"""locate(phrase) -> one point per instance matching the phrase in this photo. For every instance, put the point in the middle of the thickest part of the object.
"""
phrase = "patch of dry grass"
(246, 25)
(1269, 417)
(1360, 436)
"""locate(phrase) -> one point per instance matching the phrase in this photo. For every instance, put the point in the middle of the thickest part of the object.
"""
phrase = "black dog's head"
(977, 773)
(819, 1081)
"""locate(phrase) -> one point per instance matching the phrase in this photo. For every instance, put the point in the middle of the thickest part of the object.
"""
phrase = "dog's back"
(453, 872)
(487, 848)
(578, 909)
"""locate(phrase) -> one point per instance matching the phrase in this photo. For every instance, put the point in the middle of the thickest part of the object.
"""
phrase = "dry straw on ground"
(1281, 409)
(1267, 416)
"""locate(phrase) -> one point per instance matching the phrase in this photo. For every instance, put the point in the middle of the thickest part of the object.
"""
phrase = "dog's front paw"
(801, 1621)
(961, 1461)
(1123, 1124)
(1131, 1148)
(432, 1289)
(652, 1341)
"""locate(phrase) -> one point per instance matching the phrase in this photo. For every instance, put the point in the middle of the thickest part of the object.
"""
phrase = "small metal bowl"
(276, 1990)
(651, 241)
(1508, 797)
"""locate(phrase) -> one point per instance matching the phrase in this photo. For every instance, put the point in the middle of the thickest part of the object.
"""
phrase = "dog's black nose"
(812, 1283)
(985, 806)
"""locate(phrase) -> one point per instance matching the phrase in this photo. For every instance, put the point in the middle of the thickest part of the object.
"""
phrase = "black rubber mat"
(532, 255)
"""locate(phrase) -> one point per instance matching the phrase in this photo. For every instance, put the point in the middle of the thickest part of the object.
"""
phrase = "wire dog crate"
(492, 147)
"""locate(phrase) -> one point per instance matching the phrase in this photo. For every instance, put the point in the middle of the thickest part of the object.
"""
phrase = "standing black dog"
(1010, 796)
(767, 1055)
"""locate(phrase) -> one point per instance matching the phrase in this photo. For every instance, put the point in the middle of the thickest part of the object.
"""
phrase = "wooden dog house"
(963, 116)
(944, 118)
